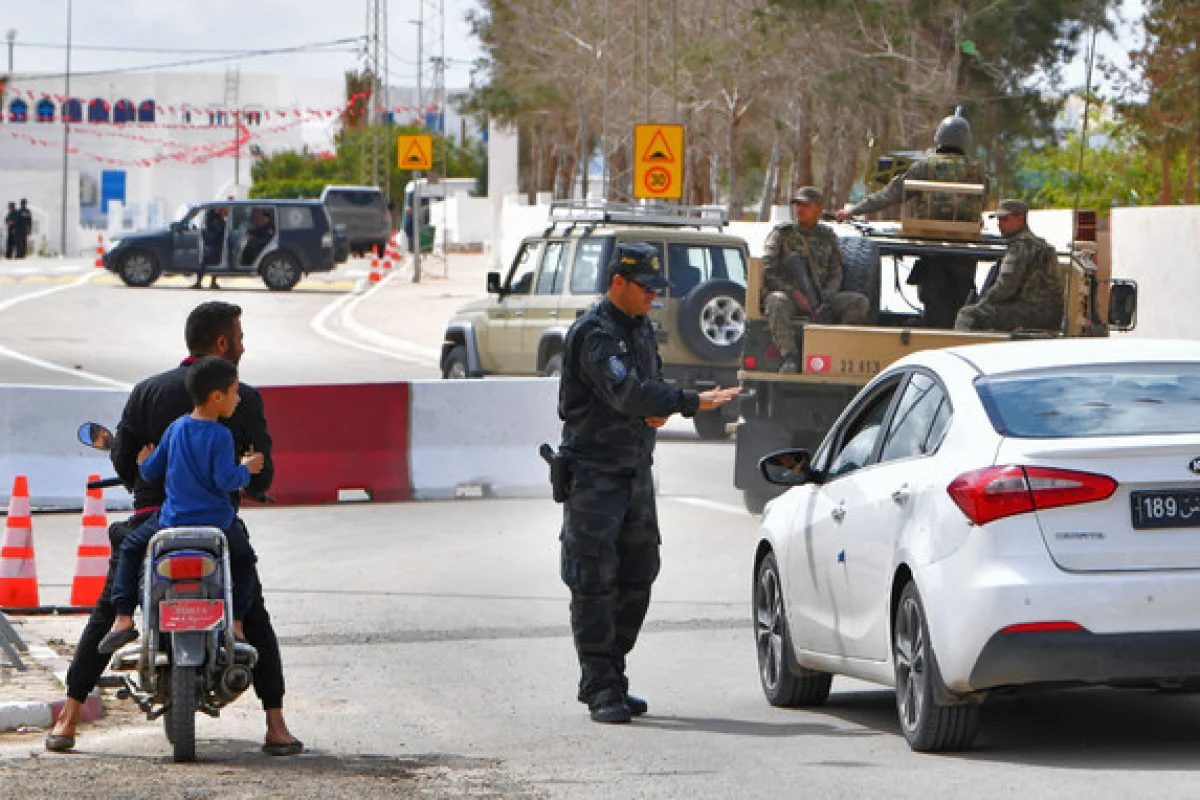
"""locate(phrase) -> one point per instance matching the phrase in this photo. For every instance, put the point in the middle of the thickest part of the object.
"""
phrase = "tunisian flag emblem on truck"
(817, 364)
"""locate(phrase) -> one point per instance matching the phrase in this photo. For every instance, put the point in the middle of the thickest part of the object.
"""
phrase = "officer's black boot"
(637, 706)
(609, 707)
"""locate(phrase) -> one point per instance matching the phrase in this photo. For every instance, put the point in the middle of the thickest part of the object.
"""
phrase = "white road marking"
(37, 362)
(713, 505)
(343, 306)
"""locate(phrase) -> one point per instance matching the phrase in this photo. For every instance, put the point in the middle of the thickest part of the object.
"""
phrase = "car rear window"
(690, 265)
(354, 197)
(1094, 400)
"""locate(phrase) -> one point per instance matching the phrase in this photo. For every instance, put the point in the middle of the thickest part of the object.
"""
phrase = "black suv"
(365, 213)
(279, 240)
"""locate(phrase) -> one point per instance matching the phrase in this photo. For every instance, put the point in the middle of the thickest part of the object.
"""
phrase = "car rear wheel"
(280, 272)
(712, 320)
(773, 643)
(929, 726)
(456, 367)
(138, 268)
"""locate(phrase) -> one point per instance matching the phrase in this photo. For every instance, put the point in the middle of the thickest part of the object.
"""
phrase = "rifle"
(799, 266)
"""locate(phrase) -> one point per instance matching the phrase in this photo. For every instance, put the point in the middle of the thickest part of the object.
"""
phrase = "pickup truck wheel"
(455, 367)
(712, 320)
(138, 268)
(710, 425)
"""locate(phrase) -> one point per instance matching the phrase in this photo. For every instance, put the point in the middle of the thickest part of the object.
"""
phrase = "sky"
(177, 28)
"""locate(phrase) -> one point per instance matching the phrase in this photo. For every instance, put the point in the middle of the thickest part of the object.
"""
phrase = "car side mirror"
(786, 467)
(1122, 305)
(176, 226)
(95, 435)
(493, 283)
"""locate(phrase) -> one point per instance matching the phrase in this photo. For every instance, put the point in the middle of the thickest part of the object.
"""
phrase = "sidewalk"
(30, 699)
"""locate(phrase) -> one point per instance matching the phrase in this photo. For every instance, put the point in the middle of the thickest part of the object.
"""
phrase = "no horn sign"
(658, 170)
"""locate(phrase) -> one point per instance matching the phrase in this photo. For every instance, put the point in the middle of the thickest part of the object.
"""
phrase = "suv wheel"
(712, 320)
(554, 366)
(280, 272)
(138, 268)
(455, 367)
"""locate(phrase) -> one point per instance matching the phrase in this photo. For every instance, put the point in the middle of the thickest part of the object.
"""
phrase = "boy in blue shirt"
(197, 456)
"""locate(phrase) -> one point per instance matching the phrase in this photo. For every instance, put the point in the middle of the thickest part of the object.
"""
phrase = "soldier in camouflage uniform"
(943, 284)
(786, 297)
(1028, 291)
(611, 399)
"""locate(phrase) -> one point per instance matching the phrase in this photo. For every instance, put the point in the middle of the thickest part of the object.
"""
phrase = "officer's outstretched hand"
(656, 422)
(715, 398)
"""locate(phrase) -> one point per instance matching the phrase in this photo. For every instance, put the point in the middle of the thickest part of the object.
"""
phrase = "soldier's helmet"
(953, 134)
(638, 262)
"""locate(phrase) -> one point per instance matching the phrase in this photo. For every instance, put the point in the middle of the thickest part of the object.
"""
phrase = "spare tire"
(712, 320)
(861, 271)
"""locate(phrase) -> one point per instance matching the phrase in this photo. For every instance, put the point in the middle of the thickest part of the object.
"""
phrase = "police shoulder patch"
(617, 367)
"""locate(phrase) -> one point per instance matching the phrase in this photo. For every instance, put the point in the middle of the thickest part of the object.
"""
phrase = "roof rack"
(657, 214)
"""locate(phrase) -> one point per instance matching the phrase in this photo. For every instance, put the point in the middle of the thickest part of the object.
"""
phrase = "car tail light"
(751, 362)
(993, 493)
(1043, 627)
(189, 567)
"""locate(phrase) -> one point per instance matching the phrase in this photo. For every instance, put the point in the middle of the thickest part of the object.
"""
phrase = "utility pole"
(233, 84)
(67, 130)
(12, 37)
(416, 179)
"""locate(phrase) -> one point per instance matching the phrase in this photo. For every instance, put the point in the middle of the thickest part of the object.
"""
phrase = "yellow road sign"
(415, 152)
(658, 171)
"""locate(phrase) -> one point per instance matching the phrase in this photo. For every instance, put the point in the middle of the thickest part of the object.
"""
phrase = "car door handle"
(518, 313)
(901, 495)
(838, 514)
(554, 314)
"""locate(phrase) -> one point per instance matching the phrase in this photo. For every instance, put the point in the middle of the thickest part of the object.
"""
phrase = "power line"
(115, 48)
(198, 61)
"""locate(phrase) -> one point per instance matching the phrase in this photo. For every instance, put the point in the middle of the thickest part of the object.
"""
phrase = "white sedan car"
(1000, 515)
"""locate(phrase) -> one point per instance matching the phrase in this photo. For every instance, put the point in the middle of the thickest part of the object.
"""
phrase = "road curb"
(42, 713)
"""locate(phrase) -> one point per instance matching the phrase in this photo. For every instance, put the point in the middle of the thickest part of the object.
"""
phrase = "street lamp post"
(11, 36)
(415, 208)
(66, 130)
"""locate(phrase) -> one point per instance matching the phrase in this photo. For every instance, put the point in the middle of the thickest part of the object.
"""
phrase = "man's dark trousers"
(88, 664)
(610, 558)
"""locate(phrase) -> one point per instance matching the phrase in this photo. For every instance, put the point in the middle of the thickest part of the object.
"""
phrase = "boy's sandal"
(59, 744)
(115, 640)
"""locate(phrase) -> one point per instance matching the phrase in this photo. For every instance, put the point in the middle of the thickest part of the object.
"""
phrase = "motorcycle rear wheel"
(181, 719)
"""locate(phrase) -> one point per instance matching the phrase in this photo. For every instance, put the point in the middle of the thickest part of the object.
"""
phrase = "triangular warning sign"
(415, 155)
(659, 152)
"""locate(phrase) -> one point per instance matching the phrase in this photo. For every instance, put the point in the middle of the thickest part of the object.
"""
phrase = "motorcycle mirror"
(95, 435)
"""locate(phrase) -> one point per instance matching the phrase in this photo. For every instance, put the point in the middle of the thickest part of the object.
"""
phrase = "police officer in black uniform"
(611, 399)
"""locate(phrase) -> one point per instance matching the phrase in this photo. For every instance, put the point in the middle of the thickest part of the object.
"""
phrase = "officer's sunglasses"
(642, 286)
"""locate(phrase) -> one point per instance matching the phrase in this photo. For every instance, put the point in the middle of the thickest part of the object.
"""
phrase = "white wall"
(1159, 247)
(468, 220)
(503, 180)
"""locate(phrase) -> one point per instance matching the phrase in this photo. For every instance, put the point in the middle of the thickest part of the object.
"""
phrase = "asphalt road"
(432, 638)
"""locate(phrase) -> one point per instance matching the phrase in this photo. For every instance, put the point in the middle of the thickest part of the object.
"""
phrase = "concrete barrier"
(38, 426)
(480, 438)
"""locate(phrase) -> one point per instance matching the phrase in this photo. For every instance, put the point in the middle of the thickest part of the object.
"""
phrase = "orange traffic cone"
(100, 250)
(18, 573)
(374, 278)
(91, 559)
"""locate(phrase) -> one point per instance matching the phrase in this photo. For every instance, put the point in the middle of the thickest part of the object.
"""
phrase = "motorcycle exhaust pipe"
(234, 681)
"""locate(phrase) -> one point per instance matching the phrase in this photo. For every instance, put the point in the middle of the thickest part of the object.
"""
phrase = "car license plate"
(190, 615)
(1169, 508)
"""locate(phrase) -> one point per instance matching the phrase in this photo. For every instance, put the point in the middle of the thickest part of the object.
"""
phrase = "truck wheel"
(712, 320)
(861, 271)
(138, 268)
(710, 425)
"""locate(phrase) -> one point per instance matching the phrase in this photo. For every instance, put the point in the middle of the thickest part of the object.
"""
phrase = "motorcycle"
(187, 660)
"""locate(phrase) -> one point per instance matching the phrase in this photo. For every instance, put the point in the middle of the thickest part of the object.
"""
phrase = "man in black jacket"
(212, 328)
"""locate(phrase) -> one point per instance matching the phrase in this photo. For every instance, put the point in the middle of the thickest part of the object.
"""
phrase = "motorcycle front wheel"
(181, 719)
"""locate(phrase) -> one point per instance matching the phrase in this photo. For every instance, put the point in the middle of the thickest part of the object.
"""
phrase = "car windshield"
(1094, 400)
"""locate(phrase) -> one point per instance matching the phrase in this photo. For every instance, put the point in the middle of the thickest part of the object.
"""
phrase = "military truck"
(560, 273)
(779, 411)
